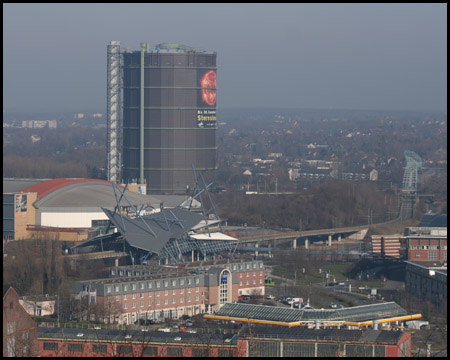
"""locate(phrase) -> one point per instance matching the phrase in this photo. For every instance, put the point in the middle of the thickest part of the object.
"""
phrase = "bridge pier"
(329, 240)
(294, 243)
(306, 243)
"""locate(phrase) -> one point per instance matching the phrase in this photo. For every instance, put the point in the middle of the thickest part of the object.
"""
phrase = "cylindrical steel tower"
(169, 116)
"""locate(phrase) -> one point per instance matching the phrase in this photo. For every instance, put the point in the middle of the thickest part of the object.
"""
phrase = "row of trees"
(332, 204)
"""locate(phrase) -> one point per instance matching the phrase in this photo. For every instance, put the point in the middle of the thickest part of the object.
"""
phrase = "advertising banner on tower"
(206, 98)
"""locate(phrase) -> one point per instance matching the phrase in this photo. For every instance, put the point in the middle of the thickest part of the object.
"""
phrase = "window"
(254, 273)
(11, 327)
(50, 346)
(197, 289)
(181, 291)
(261, 265)
(133, 286)
(125, 297)
(108, 289)
(197, 280)
(142, 295)
(150, 285)
(158, 293)
(189, 281)
(174, 283)
(240, 283)
(189, 299)
(174, 351)
(125, 287)
(134, 296)
(254, 282)
(157, 302)
(247, 282)
(248, 274)
(166, 283)
(196, 352)
(124, 349)
(166, 301)
(117, 297)
(113, 272)
(166, 292)
(149, 294)
(117, 288)
(196, 298)
(445, 255)
(75, 347)
(150, 303)
(260, 282)
(134, 305)
(181, 300)
(240, 275)
(142, 304)
(206, 298)
(181, 281)
(141, 286)
(150, 350)
(247, 266)
(174, 292)
(158, 284)
(189, 290)
(234, 267)
(260, 273)
(121, 272)
(254, 265)
(125, 306)
(241, 267)
(99, 348)
(174, 300)
(431, 255)
(225, 353)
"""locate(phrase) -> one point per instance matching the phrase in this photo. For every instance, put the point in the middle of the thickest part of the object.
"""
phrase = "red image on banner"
(209, 81)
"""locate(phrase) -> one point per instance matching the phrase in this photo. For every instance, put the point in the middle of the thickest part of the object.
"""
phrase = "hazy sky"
(347, 56)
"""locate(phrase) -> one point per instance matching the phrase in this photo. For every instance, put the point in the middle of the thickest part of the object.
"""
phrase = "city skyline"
(324, 56)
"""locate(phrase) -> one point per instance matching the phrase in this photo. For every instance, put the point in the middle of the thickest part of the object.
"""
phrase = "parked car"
(332, 306)
(175, 326)
(166, 329)
(270, 297)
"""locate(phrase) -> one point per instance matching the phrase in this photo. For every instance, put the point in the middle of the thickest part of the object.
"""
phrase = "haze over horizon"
(311, 56)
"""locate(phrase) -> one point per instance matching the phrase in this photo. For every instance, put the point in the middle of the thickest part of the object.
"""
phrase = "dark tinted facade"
(169, 116)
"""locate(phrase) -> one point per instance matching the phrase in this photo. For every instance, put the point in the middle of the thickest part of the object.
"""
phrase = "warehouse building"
(427, 280)
(260, 341)
(68, 208)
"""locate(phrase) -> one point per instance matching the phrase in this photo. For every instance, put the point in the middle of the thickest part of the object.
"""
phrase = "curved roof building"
(62, 203)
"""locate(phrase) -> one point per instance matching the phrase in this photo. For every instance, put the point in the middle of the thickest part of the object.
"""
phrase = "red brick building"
(19, 329)
(387, 245)
(261, 341)
(157, 293)
(426, 244)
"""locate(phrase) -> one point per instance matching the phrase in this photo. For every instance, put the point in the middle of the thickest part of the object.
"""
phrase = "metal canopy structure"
(356, 316)
(152, 232)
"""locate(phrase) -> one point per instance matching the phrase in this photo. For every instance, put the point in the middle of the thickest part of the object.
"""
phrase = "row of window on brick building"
(117, 289)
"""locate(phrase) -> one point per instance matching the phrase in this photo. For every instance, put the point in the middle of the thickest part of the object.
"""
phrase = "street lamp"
(57, 296)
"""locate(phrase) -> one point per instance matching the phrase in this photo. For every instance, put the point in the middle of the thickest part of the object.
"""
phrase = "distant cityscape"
(166, 227)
